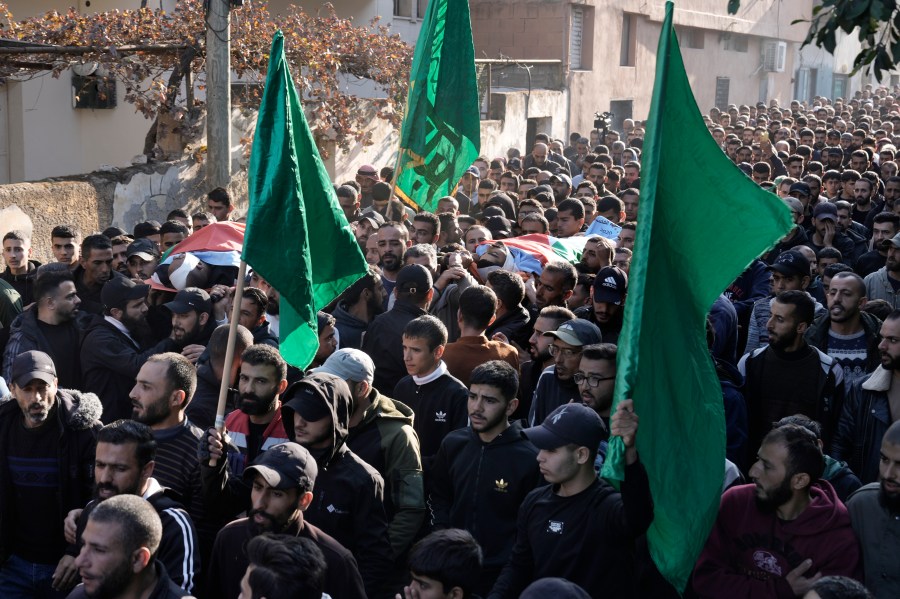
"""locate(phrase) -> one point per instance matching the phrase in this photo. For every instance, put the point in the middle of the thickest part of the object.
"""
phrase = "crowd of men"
(447, 439)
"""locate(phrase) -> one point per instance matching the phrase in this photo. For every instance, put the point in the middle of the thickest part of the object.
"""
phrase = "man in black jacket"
(579, 528)
(202, 409)
(46, 469)
(282, 480)
(846, 333)
(349, 494)
(383, 337)
(113, 349)
(124, 465)
(483, 472)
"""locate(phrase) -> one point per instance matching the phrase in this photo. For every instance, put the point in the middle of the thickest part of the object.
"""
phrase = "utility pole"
(218, 90)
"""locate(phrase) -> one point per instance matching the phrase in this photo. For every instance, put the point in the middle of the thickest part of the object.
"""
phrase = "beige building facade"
(608, 49)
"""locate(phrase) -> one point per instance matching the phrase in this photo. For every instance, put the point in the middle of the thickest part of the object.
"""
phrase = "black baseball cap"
(573, 423)
(120, 290)
(791, 263)
(610, 285)
(499, 226)
(305, 398)
(32, 365)
(558, 588)
(801, 188)
(374, 218)
(190, 299)
(143, 248)
(825, 210)
(578, 332)
(415, 279)
(283, 466)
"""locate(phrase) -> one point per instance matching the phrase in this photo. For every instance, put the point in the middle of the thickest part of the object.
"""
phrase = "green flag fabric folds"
(441, 133)
(692, 241)
(297, 236)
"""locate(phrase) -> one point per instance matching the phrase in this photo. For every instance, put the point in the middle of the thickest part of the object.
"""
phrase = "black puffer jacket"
(78, 420)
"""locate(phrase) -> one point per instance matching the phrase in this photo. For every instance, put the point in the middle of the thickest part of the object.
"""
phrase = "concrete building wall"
(597, 79)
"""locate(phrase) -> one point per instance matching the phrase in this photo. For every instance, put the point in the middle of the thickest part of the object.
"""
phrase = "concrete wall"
(529, 29)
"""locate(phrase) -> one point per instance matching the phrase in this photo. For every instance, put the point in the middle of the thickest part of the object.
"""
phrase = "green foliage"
(876, 23)
(321, 49)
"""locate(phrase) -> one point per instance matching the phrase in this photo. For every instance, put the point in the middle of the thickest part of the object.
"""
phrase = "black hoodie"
(348, 497)
(479, 486)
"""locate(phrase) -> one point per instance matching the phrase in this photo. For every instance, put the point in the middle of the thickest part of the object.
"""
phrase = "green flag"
(297, 238)
(692, 241)
(441, 133)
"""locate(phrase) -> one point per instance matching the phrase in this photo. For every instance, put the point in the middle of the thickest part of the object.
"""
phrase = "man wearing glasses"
(557, 383)
(596, 380)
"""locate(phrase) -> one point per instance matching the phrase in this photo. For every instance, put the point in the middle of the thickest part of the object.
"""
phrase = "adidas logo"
(335, 510)
(501, 485)
(440, 416)
(610, 282)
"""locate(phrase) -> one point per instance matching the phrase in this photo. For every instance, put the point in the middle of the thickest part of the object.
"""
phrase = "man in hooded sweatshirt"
(349, 494)
(773, 538)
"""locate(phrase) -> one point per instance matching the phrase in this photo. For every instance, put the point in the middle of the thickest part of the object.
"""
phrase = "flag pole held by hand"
(229, 353)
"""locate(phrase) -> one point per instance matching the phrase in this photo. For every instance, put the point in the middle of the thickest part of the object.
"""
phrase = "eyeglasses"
(593, 380)
(566, 352)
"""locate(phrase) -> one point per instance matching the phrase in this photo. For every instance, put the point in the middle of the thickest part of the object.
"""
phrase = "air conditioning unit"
(773, 56)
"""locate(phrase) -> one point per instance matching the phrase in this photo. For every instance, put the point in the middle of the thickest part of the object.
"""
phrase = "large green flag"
(692, 241)
(297, 238)
(441, 133)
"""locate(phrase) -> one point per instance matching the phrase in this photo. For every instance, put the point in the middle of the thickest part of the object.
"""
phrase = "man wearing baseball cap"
(281, 481)
(790, 272)
(48, 456)
(796, 237)
(557, 383)
(381, 434)
(141, 258)
(826, 234)
(192, 321)
(114, 346)
(607, 307)
(316, 413)
(578, 527)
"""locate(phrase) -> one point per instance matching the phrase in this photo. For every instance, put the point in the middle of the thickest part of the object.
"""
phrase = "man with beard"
(282, 481)
(205, 403)
(49, 326)
(596, 380)
(272, 310)
(557, 383)
(349, 492)
(826, 234)
(547, 320)
(253, 316)
(483, 472)
(256, 425)
(358, 306)
(114, 346)
(124, 466)
(192, 321)
(884, 283)
(884, 227)
(120, 245)
(393, 239)
(789, 376)
(94, 270)
(872, 405)
(47, 456)
(875, 516)
(607, 307)
(777, 536)
(118, 559)
(163, 388)
(846, 333)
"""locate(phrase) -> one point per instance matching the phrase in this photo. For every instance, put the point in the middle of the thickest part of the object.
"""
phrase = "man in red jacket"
(778, 536)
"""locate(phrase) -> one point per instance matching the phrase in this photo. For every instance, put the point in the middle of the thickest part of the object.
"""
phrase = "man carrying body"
(113, 349)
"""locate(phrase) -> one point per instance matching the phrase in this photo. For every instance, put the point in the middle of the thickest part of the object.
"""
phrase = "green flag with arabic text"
(441, 133)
